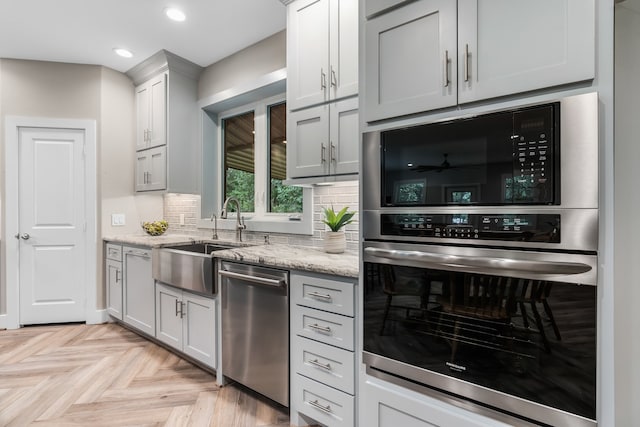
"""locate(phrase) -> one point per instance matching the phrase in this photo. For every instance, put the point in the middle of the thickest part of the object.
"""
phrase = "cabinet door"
(169, 312)
(386, 405)
(138, 293)
(114, 288)
(142, 116)
(343, 48)
(151, 169)
(157, 111)
(308, 147)
(199, 326)
(501, 53)
(307, 53)
(411, 60)
(344, 133)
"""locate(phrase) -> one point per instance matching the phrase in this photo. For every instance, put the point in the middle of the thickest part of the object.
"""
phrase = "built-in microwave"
(525, 176)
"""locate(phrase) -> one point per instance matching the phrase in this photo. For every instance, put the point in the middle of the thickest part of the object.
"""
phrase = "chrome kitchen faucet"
(240, 225)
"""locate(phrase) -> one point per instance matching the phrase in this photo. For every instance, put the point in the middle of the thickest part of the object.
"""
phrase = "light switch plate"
(181, 219)
(117, 220)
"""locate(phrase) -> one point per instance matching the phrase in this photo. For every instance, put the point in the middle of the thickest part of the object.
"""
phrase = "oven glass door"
(497, 159)
(534, 339)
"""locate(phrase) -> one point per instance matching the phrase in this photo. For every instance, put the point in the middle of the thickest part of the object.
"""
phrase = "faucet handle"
(242, 224)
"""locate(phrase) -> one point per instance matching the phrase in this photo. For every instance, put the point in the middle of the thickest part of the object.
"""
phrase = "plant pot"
(334, 242)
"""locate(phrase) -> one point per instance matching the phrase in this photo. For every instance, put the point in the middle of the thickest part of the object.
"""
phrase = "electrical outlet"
(181, 219)
(117, 220)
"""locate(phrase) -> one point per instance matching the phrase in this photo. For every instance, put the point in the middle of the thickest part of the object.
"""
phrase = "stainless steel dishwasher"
(255, 328)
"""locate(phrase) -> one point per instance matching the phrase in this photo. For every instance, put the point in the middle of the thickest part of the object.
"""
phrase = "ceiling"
(87, 31)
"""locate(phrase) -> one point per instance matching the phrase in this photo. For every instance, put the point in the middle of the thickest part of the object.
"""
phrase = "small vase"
(334, 242)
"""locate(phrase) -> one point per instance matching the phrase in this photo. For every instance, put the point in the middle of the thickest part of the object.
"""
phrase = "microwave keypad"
(500, 227)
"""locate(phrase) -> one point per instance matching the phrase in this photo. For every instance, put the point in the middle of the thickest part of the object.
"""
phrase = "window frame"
(260, 220)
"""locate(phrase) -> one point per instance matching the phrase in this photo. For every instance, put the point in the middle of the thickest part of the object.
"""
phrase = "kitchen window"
(253, 149)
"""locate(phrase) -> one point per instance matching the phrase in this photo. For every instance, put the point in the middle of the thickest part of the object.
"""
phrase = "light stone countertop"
(274, 255)
(150, 241)
(295, 258)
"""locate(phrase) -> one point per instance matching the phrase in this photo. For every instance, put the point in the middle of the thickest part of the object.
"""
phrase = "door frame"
(12, 275)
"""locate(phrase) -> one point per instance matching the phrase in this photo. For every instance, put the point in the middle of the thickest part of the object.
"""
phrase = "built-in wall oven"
(480, 258)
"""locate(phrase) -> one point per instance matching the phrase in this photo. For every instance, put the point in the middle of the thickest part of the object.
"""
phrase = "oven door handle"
(487, 265)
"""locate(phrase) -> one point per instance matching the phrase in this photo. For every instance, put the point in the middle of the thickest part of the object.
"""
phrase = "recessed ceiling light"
(175, 14)
(123, 52)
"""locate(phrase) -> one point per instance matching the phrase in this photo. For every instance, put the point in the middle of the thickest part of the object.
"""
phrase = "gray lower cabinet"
(388, 405)
(323, 343)
(138, 292)
(113, 280)
(187, 322)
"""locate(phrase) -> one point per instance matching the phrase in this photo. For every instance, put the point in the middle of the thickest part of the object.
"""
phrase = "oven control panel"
(502, 227)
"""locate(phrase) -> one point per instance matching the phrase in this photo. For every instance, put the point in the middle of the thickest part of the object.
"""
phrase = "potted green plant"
(334, 240)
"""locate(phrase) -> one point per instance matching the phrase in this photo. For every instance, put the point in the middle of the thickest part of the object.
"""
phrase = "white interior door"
(52, 224)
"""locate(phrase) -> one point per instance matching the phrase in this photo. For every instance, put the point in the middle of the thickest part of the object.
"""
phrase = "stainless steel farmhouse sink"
(188, 266)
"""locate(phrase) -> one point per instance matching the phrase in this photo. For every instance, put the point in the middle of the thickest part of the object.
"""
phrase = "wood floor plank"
(105, 375)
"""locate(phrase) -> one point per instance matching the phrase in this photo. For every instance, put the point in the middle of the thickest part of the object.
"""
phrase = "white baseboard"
(5, 322)
(97, 317)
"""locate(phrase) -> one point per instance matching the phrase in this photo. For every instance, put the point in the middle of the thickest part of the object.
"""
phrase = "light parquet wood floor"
(105, 375)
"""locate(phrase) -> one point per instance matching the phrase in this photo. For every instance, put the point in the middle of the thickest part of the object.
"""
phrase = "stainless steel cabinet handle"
(138, 253)
(323, 79)
(118, 273)
(325, 329)
(177, 309)
(486, 264)
(148, 177)
(315, 294)
(182, 314)
(332, 152)
(334, 79)
(25, 236)
(323, 150)
(317, 405)
(317, 363)
(252, 279)
(446, 69)
(466, 62)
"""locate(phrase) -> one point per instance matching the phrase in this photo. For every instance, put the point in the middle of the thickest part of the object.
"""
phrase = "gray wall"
(59, 90)
(247, 65)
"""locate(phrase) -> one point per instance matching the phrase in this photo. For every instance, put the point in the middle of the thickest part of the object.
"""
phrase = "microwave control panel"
(501, 227)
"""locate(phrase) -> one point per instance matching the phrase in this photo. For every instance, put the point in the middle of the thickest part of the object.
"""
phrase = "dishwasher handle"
(253, 279)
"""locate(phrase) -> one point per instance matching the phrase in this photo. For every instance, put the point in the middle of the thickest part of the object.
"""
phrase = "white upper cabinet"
(167, 116)
(322, 51)
(151, 105)
(431, 54)
(323, 140)
(151, 169)
(411, 60)
(507, 46)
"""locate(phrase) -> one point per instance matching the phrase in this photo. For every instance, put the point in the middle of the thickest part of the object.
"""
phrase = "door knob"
(25, 236)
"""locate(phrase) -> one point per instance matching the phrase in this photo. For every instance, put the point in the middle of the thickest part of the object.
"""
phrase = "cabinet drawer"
(114, 252)
(330, 365)
(322, 403)
(334, 295)
(328, 328)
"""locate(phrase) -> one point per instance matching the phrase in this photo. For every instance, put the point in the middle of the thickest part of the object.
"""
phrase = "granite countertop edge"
(290, 257)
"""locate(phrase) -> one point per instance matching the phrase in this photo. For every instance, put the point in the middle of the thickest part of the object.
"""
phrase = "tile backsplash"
(188, 205)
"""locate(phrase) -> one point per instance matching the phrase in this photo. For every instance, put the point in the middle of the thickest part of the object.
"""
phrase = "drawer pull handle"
(317, 405)
(315, 294)
(326, 367)
(317, 327)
